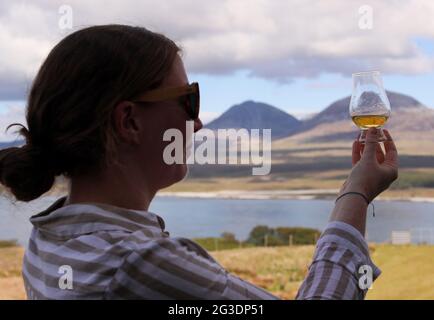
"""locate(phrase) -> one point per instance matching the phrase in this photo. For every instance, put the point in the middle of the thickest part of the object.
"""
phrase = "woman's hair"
(69, 108)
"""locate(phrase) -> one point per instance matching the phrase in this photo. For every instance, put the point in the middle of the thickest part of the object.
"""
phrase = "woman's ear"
(127, 123)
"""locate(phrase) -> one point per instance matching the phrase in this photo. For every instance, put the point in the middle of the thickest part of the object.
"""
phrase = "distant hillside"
(256, 115)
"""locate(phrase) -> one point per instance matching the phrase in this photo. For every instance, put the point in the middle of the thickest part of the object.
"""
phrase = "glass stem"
(381, 135)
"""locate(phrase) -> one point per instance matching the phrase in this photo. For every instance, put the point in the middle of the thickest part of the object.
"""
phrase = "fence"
(401, 237)
(416, 235)
(423, 235)
(397, 237)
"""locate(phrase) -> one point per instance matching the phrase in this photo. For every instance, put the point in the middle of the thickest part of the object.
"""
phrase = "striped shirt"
(100, 251)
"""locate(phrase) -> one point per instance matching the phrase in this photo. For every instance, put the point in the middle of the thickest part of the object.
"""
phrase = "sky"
(297, 55)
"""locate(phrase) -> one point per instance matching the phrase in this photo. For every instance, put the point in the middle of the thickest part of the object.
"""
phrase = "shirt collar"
(83, 218)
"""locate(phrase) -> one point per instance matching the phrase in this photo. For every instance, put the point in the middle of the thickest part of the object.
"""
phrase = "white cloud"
(11, 112)
(207, 116)
(278, 40)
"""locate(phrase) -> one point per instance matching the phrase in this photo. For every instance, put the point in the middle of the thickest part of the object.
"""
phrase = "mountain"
(408, 117)
(257, 115)
(339, 110)
(323, 143)
(409, 120)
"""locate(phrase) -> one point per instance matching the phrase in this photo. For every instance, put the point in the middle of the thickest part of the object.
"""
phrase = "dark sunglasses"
(187, 95)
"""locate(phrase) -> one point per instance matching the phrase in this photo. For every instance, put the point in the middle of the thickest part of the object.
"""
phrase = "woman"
(97, 112)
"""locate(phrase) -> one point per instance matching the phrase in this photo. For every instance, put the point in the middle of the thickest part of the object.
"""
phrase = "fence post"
(216, 246)
(266, 240)
(290, 240)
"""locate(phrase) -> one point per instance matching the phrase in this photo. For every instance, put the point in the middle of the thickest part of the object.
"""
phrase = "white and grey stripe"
(333, 273)
(117, 253)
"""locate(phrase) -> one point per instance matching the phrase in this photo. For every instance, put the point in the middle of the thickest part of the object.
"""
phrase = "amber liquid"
(370, 121)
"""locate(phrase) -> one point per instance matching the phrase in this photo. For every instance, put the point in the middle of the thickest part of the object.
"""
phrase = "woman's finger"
(380, 154)
(356, 152)
(370, 147)
(389, 146)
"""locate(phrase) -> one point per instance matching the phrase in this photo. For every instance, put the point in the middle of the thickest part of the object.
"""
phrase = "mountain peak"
(256, 115)
(247, 102)
(339, 110)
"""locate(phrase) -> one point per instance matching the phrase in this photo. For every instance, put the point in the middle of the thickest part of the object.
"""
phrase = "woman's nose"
(197, 125)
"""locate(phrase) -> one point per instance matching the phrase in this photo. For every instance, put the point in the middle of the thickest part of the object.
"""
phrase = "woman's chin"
(178, 173)
(181, 172)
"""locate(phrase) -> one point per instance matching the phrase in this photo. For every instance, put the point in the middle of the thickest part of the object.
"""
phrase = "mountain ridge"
(339, 110)
(407, 112)
(257, 115)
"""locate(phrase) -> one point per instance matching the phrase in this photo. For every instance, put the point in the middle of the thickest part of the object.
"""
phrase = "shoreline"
(301, 194)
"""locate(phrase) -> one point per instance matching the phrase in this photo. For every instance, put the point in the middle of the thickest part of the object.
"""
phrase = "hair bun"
(26, 171)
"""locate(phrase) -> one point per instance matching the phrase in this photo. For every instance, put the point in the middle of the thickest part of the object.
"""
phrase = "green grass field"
(408, 271)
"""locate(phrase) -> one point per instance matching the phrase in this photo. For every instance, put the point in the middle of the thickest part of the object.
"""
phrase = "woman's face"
(157, 119)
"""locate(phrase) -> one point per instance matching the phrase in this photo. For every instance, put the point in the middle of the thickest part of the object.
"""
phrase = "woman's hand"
(373, 171)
